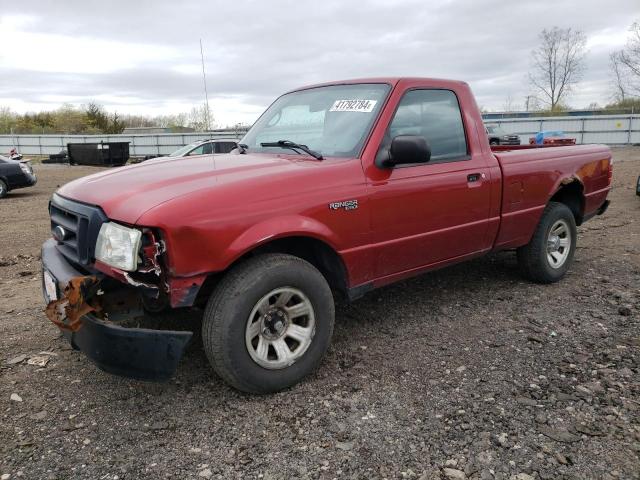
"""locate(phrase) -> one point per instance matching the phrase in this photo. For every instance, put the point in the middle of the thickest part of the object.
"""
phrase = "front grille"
(73, 225)
(81, 223)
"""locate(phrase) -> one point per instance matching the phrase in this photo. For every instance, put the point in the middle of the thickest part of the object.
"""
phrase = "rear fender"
(570, 191)
(564, 181)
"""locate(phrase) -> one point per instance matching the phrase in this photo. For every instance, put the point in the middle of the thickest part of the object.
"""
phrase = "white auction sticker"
(365, 106)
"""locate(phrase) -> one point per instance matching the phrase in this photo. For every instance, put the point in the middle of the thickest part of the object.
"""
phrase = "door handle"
(474, 177)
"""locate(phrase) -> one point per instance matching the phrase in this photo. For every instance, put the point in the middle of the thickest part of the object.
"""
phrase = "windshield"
(183, 150)
(333, 121)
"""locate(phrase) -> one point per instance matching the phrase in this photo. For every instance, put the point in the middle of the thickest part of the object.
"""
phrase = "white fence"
(608, 129)
(139, 145)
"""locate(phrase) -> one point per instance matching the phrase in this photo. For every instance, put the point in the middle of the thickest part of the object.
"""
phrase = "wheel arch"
(306, 245)
(570, 192)
(5, 180)
(315, 251)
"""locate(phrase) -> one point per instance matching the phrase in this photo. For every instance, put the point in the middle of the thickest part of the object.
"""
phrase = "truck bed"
(529, 172)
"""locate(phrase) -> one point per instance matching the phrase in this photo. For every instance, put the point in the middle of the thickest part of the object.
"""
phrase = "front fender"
(280, 227)
(204, 247)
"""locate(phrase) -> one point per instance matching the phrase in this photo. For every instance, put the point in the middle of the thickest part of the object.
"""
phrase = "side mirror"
(407, 149)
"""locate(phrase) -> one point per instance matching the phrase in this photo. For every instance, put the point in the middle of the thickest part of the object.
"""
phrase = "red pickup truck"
(338, 188)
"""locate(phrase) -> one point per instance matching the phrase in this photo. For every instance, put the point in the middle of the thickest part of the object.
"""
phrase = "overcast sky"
(144, 57)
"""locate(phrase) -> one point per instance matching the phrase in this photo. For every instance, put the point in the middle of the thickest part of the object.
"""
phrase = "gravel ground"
(469, 372)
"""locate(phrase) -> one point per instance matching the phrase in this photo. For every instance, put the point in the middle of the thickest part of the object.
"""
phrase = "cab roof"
(393, 81)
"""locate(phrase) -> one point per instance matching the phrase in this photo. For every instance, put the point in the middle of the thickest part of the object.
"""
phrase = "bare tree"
(531, 103)
(557, 64)
(629, 57)
(201, 119)
(509, 105)
(619, 77)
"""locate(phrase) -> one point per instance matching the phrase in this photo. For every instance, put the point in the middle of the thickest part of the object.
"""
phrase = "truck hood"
(126, 193)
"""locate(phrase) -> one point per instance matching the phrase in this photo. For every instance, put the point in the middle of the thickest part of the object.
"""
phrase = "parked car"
(15, 174)
(204, 147)
(497, 136)
(342, 187)
(551, 137)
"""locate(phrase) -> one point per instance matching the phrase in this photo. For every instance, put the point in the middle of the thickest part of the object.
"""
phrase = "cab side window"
(434, 115)
(208, 148)
(197, 151)
(203, 149)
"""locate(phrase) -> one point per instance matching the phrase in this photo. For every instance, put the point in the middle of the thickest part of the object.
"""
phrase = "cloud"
(144, 56)
(53, 53)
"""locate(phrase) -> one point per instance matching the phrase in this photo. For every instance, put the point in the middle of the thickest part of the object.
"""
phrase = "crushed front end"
(99, 307)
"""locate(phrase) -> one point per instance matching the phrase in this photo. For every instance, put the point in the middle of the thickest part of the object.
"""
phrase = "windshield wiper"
(292, 146)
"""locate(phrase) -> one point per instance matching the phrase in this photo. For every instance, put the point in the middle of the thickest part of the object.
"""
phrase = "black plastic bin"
(57, 157)
(110, 154)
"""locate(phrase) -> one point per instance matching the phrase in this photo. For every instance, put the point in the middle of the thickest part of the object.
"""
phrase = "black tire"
(3, 189)
(638, 187)
(533, 259)
(231, 304)
(494, 141)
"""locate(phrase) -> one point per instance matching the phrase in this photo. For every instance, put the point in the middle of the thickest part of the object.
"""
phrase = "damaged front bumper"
(74, 306)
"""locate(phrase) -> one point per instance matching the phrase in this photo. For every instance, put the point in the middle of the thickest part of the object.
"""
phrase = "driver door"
(424, 214)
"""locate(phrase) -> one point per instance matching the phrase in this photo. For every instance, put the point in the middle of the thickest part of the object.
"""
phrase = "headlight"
(118, 246)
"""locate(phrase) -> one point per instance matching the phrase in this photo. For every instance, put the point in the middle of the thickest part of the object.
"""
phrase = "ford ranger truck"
(337, 189)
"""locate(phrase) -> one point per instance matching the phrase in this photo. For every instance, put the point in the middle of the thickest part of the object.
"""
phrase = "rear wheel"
(547, 257)
(3, 189)
(268, 323)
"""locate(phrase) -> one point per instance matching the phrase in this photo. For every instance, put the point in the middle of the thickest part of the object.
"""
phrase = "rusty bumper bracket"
(140, 353)
(79, 298)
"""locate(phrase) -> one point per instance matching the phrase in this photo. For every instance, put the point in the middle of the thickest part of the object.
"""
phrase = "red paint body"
(211, 211)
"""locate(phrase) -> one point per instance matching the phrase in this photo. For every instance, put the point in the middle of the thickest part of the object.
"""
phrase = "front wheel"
(547, 257)
(268, 323)
(3, 189)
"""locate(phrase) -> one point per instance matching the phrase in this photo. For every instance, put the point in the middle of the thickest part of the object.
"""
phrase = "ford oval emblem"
(59, 233)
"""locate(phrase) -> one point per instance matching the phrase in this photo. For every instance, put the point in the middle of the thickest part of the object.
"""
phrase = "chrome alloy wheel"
(558, 244)
(280, 328)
